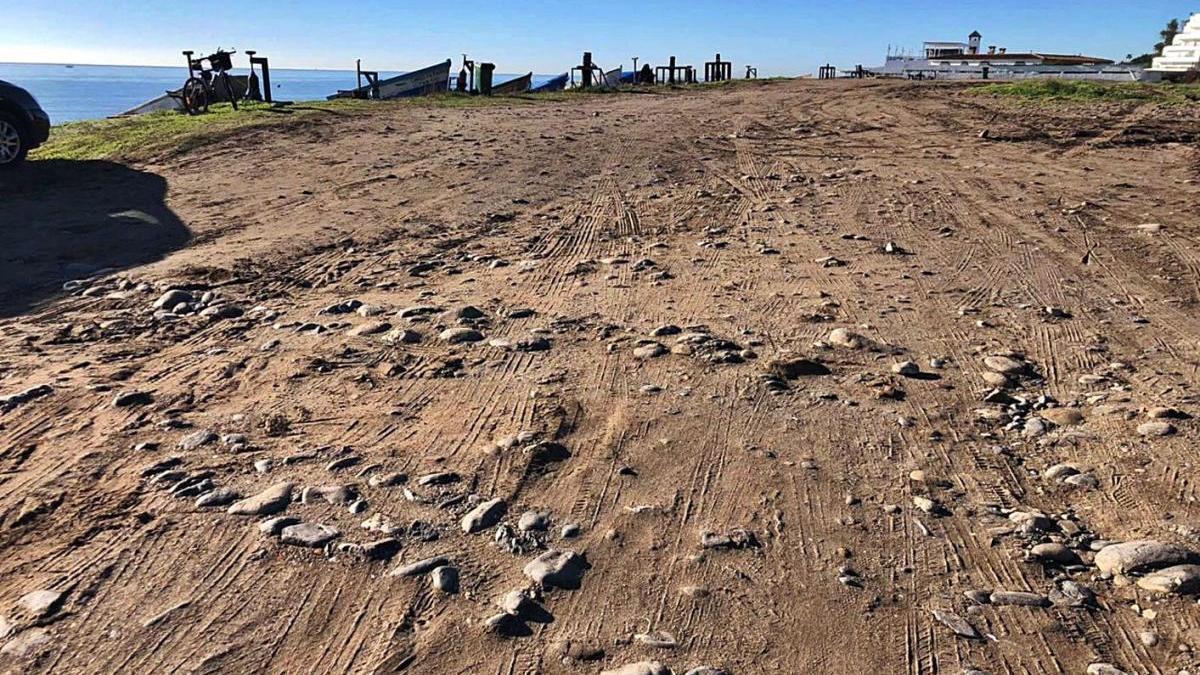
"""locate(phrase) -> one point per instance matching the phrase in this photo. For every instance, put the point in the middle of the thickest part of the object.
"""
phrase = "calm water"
(92, 92)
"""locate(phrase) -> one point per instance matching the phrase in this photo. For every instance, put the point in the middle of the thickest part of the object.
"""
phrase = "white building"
(1183, 54)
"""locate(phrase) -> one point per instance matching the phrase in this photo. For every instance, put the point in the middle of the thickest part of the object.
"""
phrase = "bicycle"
(201, 90)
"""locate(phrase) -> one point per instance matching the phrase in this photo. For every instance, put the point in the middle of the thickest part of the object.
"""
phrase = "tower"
(973, 41)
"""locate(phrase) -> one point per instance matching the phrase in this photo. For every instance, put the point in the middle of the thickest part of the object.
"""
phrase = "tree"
(1167, 36)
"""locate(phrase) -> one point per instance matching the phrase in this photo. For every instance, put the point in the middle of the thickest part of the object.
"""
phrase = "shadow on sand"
(62, 220)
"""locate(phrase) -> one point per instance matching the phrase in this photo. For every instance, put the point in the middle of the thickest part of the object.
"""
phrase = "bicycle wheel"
(227, 85)
(195, 96)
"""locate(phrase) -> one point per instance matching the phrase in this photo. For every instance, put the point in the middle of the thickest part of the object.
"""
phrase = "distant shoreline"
(175, 67)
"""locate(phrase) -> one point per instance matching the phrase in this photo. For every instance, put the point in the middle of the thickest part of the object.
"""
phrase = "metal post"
(266, 79)
(671, 73)
(587, 70)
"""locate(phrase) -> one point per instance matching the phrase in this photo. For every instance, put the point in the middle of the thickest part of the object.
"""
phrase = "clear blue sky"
(547, 36)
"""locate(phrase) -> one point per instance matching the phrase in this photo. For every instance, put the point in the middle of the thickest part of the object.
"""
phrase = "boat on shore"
(557, 84)
(431, 80)
(613, 78)
(172, 100)
(517, 85)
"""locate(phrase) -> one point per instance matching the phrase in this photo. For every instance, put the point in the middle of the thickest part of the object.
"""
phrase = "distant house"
(1003, 58)
(1183, 54)
(967, 61)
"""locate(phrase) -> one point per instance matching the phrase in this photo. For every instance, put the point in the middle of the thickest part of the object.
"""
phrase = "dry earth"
(758, 493)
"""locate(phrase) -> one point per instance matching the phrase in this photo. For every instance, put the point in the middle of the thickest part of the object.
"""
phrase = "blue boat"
(422, 82)
(557, 84)
(517, 85)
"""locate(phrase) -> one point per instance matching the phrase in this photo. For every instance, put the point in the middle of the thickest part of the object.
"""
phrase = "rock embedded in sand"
(1005, 365)
(1156, 429)
(1056, 553)
(172, 298)
(649, 351)
(27, 642)
(444, 578)
(795, 368)
(127, 399)
(956, 623)
(268, 502)
(708, 670)
(563, 569)
(40, 603)
(1142, 555)
(1179, 580)
(846, 339)
(534, 521)
(1019, 598)
(483, 516)
(420, 567)
(311, 535)
(1063, 417)
(639, 668)
(460, 335)
(1104, 669)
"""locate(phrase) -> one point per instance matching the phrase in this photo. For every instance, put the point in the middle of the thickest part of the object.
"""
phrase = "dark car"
(23, 124)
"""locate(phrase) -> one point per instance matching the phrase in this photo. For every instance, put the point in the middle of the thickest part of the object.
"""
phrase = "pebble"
(1056, 553)
(420, 567)
(506, 625)
(1156, 429)
(1142, 555)
(570, 530)
(440, 478)
(218, 497)
(563, 569)
(708, 670)
(128, 399)
(956, 623)
(906, 368)
(1021, 598)
(483, 516)
(460, 335)
(846, 339)
(27, 642)
(173, 297)
(40, 603)
(312, 535)
(649, 351)
(198, 439)
(271, 527)
(445, 578)
(1178, 579)
(1063, 417)
(1104, 669)
(270, 501)
(1005, 365)
(534, 521)
(639, 668)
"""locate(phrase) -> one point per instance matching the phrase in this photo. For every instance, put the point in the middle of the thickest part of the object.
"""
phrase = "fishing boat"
(168, 101)
(518, 85)
(613, 78)
(422, 82)
(557, 84)
(173, 100)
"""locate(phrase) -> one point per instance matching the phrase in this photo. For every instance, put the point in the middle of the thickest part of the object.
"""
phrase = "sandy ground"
(619, 314)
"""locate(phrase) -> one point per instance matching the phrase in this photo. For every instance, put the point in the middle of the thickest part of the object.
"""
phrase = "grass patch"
(164, 134)
(1086, 91)
(168, 133)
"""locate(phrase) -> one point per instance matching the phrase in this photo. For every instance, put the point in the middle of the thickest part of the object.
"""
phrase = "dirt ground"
(619, 313)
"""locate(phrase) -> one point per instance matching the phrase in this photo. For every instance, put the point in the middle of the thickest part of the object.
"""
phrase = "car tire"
(14, 143)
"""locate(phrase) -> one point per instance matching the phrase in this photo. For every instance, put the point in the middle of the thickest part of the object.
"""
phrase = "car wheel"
(13, 147)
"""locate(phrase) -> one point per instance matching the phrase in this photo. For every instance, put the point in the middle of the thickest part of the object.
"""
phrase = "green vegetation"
(165, 134)
(1083, 91)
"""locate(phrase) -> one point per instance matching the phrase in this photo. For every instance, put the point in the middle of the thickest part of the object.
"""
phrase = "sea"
(73, 92)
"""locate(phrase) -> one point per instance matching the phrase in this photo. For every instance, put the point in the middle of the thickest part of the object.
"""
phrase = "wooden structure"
(718, 70)
(674, 74)
(431, 80)
(751, 73)
(589, 73)
(827, 72)
(517, 85)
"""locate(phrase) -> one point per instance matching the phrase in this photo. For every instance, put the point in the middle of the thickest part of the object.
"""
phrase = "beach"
(771, 377)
